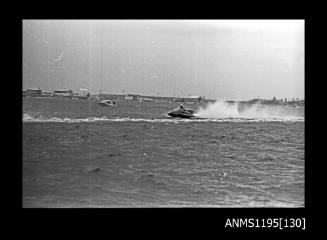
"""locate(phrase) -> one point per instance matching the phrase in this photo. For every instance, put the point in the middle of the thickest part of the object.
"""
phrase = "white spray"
(221, 109)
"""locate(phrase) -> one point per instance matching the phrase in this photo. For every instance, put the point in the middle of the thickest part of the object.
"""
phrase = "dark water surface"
(79, 154)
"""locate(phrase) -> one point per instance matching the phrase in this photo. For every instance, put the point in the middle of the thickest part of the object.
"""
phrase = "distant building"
(182, 100)
(82, 93)
(195, 99)
(147, 99)
(132, 97)
(63, 93)
(32, 92)
(47, 94)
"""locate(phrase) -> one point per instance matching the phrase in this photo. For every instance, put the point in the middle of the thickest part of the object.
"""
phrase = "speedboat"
(187, 113)
(107, 103)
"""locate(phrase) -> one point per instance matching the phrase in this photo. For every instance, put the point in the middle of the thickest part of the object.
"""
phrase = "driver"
(181, 107)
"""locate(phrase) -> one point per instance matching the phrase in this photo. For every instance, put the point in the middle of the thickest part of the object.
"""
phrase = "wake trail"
(28, 118)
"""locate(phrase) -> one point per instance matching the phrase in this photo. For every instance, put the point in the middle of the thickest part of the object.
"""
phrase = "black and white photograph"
(163, 113)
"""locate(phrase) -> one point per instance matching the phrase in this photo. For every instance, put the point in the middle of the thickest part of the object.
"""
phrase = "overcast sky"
(233, 59)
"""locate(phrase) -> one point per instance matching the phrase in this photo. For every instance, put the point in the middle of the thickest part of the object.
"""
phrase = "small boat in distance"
(107, 103)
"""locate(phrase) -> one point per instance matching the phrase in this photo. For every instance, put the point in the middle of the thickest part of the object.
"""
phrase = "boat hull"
(107, 104)
(181, 114)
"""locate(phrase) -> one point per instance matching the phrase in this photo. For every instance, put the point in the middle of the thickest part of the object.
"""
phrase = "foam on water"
(28, 118)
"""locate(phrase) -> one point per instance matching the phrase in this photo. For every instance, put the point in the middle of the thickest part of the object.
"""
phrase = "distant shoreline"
(300, 103)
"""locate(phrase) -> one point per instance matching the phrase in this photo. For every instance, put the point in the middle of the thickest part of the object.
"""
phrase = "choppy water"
(79, 154)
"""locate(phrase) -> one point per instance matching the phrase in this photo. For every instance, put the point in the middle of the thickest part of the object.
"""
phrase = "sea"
(78, 154)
